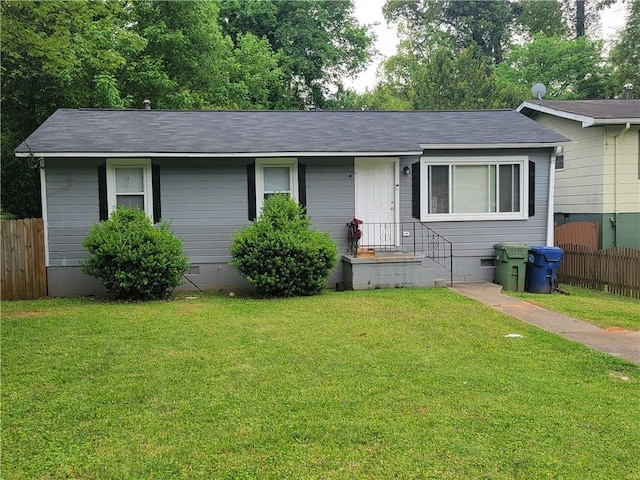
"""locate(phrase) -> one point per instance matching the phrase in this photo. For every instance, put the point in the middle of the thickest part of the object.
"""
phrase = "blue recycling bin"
(541, 268)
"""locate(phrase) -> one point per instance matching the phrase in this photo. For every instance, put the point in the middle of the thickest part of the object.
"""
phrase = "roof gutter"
(211, 154)
(488, 146)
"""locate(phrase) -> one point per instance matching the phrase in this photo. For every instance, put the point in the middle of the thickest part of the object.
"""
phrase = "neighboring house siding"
(579, 187)
(473, 241)
(622, 191)
(600, 182)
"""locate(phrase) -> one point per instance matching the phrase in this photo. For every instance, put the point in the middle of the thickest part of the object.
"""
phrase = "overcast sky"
(370, 11)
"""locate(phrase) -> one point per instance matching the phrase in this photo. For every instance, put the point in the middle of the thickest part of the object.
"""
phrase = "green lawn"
(603, 309)
(381, 384)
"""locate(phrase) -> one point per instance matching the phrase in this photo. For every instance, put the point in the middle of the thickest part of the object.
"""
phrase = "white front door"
(376, 200)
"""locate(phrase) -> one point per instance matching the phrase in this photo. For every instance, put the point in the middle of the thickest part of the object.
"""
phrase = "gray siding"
(474, 240)
(72, 207)
(206, 201)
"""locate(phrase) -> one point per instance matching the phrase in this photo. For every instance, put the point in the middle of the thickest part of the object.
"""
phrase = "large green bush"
(280, 255)
(133, 258)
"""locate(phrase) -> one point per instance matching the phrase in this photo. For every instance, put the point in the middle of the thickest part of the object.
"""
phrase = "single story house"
(417, 179)
(598, 177)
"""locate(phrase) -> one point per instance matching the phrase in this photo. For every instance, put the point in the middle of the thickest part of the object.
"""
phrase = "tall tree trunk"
(580, 18)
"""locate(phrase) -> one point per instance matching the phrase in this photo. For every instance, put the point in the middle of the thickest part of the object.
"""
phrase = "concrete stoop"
(388, 271)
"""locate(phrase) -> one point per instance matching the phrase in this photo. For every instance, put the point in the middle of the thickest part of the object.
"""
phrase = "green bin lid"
(513, 250)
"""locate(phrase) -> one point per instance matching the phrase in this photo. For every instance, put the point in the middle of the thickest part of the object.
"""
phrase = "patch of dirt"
(24, 314)
(618, 329)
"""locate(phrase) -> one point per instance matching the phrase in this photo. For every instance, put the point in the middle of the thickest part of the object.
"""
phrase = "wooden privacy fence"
(615, 270)
(577, 233)
(24, 274)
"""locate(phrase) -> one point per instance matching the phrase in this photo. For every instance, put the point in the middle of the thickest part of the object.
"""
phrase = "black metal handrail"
(401, 238)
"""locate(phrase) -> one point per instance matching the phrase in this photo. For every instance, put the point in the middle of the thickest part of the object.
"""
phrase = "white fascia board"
(583, 119)
(211, 155)
(586, 121)
(486, 146)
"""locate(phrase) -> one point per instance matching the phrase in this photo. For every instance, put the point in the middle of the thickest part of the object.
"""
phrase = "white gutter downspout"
(615, 182)
(45, 219)
(550, 200)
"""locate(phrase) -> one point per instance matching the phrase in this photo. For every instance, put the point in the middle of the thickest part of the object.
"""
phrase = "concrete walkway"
(624, 344)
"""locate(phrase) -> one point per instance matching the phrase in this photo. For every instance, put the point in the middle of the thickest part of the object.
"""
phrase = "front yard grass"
(381, 384)
(603, 309)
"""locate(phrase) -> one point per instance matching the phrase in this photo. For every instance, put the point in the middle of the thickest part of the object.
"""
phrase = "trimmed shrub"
(280, 255)
(134, 259)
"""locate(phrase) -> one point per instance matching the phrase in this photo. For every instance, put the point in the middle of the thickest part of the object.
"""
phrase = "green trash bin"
(511, 265)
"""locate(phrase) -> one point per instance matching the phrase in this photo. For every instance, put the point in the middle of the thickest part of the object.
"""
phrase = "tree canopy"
(197, 54)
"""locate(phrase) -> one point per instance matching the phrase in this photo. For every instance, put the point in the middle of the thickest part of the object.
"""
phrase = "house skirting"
(69, 281)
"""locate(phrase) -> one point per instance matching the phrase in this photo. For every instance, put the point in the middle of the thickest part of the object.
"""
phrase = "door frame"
(395, 161)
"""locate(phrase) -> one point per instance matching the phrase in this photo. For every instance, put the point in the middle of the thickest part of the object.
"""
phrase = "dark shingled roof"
(251, 132)
(593, 111)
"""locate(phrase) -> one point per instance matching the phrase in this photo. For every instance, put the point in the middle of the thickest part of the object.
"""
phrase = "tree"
(625, 54)
(116, 54)
(319, 42)
(45, 64)
(446, 81)
(427, 24)
(545, 17)
(579, 74)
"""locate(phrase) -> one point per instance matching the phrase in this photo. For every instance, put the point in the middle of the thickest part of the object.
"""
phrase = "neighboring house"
(475, 177)
(599, 177)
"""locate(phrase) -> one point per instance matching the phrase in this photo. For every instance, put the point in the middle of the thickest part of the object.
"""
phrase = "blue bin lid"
(552, 254)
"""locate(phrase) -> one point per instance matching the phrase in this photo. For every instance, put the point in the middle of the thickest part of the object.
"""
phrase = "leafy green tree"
(625, 54)
(48, 62)
(570, 69)
(535, 16)
(428, 24)
(115, 54)
(445, 81)
(320, 42)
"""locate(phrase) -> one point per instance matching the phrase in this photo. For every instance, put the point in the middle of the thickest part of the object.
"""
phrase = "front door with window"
(376, 200)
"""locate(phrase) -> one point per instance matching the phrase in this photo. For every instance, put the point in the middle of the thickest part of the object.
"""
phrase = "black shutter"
(415, 190)
(251, 190)
(302, 185)
(102, 192)
(532, 189)
(155, 185)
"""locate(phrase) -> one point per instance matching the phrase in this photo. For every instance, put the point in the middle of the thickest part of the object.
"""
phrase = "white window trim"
(521, 160)
(292, 163)
(148, 184)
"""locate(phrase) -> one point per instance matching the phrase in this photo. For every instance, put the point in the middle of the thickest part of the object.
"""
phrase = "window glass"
(276, 179)
(439, 189)
(473, 188)
(129, 184)
(132, 201)
(509, 187)
(129, 180)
